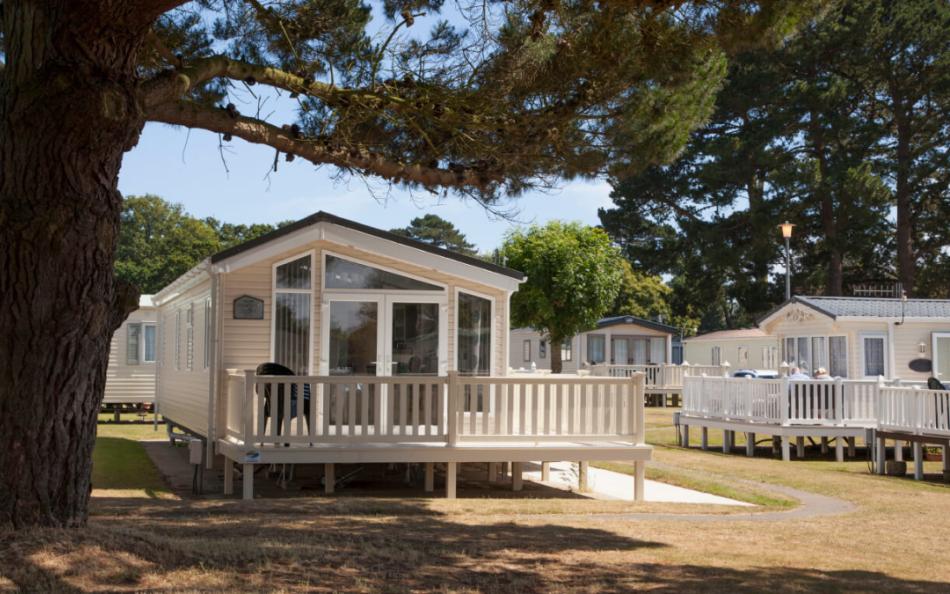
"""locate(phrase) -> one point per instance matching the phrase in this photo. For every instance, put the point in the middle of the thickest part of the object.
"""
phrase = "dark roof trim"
(325, 217)
(794, 299)
(615, 320)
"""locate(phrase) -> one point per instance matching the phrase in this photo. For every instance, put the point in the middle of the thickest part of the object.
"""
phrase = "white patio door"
(367, 334)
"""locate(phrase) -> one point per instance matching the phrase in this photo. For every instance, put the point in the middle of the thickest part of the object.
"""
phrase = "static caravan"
(617, 340)
(864, 337)
(130, 377)
(743, 348)
(328, 341)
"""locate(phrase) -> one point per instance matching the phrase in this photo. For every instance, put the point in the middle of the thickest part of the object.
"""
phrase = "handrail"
(314, 410)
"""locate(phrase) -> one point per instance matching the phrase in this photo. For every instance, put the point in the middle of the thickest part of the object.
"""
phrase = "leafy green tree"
(522, 95)
(434, 229)
(574, 275)
(642, 295)
(231, 234)
(159, 241)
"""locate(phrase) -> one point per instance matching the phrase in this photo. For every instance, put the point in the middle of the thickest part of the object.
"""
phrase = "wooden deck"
(913, 415)
(426, 419)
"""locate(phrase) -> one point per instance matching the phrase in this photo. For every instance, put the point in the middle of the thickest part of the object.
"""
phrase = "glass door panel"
(942, 358)
(354, 338)
(414, 339)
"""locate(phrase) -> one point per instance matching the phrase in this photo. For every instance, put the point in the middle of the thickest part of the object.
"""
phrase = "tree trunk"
(906, 260)
(555, 345)
(834, 277)
(68, 111)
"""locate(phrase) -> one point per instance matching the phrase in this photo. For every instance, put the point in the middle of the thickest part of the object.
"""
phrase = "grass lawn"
(894, 540)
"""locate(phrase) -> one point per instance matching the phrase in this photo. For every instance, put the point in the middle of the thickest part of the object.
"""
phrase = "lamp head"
(786, 228)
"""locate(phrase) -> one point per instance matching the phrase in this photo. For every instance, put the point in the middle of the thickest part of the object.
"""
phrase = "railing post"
(839, 401)
(639, 390)
(783, 403)
(452, 407)
(919, 413)
(248, 410)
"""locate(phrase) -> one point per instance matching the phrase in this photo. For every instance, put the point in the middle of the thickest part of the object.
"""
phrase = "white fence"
(913, 410)
(657, 376)
(784, 401)
(311, 410)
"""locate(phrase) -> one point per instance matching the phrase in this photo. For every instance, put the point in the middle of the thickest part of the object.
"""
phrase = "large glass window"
(474, 335)
(657, 351)
(838, 351)
(619, 351)
(595, 348)
(149, 355)
(526, 350)
(292, 312)
(415, 344)
(716, 356)
(804, 354)
(132, 343)
(353, 332)
(346, 274)
(874, 356)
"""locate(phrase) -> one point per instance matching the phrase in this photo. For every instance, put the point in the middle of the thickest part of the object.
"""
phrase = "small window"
(133, 344)
(294, 275)
(148, 356)
(595, 348)
(178, 339)
(526, 351)
(190, 337)
(208, 337)
(716, 356)
(474, 334)
(838, 356)
(567, 350)
(874, 348)
(345, 274)
(542, 349)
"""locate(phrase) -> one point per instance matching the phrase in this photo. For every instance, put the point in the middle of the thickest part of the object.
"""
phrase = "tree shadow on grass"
(372, 546)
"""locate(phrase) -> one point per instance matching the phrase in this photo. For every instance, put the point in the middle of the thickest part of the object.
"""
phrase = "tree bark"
(834, 277)
(555, 345)
(68, 112)
(906, 258)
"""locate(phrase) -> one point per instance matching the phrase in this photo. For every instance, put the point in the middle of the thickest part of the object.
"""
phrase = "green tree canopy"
(433, 229)
(159, 241)
(642, 295)
(574, 275)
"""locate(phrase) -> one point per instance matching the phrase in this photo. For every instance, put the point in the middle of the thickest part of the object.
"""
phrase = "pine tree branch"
(318, 151)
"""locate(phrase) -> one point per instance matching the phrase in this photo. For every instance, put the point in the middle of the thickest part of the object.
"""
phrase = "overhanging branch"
(317, 151)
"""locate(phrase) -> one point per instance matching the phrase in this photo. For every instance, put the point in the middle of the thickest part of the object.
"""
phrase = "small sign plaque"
(248, 308)
(921, 365)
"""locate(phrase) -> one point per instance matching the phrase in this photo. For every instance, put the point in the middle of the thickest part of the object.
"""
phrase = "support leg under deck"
(517, 479)
(639, 480)
(228, 476)
(493, 472)
(851, 446)
(786, 448)
(582, 471)
(800, 446)
(881, 455)
(918, 461)
(430, 477)
(684, 440)
(839, 449)
(247, 481)
(451, 469)
(545, 471)
(329, 478)
(750, 444)
(898, 450)
(824, 446)
(704, 442)
(725, 441)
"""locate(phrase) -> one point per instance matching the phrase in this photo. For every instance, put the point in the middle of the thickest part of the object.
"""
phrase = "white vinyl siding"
(132, 383)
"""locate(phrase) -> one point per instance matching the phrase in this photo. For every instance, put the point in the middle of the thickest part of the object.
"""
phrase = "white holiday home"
(130, 377)
(377, 348)
(741, 348)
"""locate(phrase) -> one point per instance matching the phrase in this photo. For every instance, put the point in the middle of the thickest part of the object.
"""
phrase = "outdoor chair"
(278, 369)
(935, 384)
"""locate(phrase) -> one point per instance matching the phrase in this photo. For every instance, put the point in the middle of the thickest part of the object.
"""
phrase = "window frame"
(178, 337)
(825, 342)
(138, 345)
(526, 350)
(323, 278)
(492, 327)
(570, 349)
(142, 359)
(312, 253)
(208, 330)
(602, 337)
(885, 353)
(715, 355)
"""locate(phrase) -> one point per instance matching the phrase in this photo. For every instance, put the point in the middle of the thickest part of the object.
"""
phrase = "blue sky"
(187, 168)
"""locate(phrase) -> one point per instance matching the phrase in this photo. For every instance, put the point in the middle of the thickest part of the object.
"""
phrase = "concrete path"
(607, 484)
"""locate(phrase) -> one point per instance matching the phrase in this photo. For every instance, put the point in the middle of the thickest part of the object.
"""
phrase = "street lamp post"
(786, 228)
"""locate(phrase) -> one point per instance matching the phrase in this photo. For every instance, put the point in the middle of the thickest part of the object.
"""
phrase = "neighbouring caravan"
(743, 348)
(130, 378)
(617, 340)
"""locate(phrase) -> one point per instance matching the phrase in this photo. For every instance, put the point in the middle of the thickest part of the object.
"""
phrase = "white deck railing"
(913, 410)
(314, 410)
(784, 401)
(663, 375)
